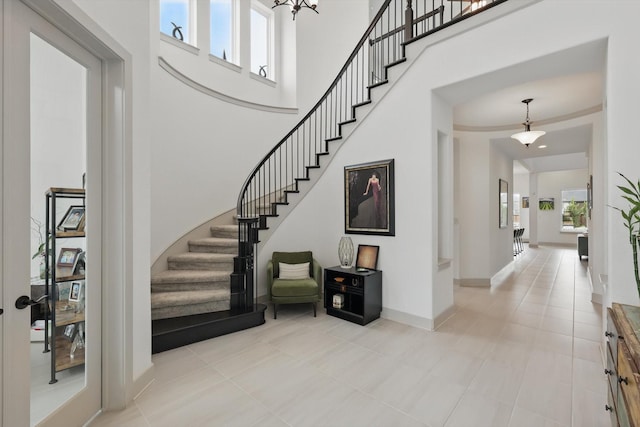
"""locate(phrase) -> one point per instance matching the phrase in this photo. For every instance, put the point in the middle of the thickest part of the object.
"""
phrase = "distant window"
(222, 29)
(516, 210)
(574, 209)
(176, 17)
(261, 40)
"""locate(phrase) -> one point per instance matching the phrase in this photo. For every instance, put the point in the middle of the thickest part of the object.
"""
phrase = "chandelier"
(529, 136)
(296, 5)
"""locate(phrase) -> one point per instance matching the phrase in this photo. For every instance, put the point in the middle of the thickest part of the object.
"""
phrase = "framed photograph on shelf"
(367, 257)
(73, 220)
(369, 206)
(79, 264)
(74, 293)
(68, 256)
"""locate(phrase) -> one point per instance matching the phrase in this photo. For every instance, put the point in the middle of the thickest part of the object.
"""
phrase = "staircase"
(198, 277)
(191, 301)
(197, 281)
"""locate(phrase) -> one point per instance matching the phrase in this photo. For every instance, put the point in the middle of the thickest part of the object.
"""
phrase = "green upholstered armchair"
(292, 284)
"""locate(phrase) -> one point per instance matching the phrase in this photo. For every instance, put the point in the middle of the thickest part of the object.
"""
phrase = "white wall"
(317, 222)
(318, 63)
(500, 239)
(404, 291)
(474, 210)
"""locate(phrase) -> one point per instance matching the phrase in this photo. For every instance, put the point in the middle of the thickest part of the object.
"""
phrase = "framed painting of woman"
(369, 198)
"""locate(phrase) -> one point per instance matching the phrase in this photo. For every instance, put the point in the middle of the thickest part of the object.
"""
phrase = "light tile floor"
(525, 353)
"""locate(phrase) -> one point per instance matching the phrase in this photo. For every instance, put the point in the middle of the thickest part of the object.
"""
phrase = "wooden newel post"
(408, 22)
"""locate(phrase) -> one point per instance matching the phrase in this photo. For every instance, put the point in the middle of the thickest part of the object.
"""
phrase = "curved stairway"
(191, 301)
(194, 283)
(197, 281)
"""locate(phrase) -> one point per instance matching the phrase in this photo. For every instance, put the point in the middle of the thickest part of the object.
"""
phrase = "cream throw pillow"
(294, 271)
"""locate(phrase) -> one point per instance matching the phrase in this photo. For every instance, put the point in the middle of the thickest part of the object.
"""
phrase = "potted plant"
(577, 212)
(631, 217)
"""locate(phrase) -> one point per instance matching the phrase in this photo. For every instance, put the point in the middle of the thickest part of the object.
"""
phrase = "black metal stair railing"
(279, 173)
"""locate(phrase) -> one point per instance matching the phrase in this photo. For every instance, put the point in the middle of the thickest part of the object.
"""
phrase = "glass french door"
(51, 89)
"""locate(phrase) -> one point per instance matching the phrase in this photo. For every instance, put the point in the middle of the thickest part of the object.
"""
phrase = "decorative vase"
(42, 270)
(345, 252)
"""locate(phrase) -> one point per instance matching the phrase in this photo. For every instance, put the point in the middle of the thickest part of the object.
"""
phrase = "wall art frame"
(369, 198)
(546, 203)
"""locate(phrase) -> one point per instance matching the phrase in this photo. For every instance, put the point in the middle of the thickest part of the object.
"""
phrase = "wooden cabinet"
(623, 365)
(359, 291)
(65, 279)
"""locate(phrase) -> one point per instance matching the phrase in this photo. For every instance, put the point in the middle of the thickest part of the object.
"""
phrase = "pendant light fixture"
(296, 5)
(529, 136)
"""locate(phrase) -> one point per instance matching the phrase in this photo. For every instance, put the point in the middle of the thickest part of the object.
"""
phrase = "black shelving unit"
(361, 290)
(62, 314)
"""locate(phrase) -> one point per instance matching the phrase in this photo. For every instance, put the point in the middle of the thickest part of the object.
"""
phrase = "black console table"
(361, 291)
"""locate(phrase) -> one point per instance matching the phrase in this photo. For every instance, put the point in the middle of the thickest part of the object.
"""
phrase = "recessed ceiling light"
(542, 146)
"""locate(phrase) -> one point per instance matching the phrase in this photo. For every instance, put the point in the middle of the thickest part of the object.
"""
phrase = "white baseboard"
(473, 283)
(444, 316)
(407, 319)
(143, 382)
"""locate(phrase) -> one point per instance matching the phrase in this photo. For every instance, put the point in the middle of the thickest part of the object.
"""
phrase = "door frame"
(117, 241)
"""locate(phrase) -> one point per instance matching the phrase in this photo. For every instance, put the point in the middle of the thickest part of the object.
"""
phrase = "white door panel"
(20, 25)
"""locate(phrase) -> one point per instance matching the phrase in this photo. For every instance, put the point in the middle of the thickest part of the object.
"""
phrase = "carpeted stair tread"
(189, 276)
(225, 231)
(202, 256)
(173, 299)
(201, 261)
(214, 244)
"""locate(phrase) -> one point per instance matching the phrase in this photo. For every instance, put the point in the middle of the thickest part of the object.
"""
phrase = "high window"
(574, 209)
(261, 40)
(177, 18)
(222, 21)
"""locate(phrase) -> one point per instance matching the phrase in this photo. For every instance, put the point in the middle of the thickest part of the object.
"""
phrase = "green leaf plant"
(631, 217)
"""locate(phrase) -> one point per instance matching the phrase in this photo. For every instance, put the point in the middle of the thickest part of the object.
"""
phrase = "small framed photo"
(70, 331)
(367, 257)
(68, 256)
(73, 220)
(76, 290)
(79, 265)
